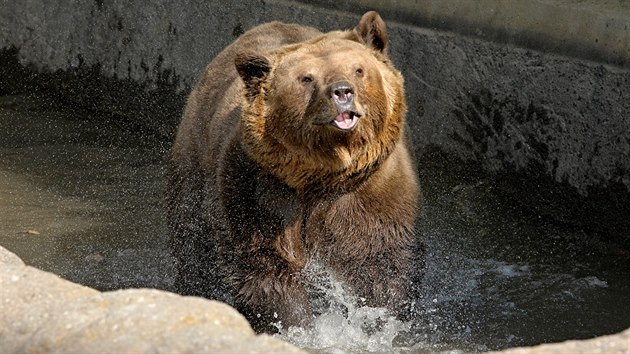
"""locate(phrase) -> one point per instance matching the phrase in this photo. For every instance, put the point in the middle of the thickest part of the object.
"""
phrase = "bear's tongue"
(346, 120)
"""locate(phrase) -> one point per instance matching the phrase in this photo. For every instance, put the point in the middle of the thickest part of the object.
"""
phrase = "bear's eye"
(359, 72)
(306, 79)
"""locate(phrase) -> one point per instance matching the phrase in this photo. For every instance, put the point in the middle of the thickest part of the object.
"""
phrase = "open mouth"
(346, 120)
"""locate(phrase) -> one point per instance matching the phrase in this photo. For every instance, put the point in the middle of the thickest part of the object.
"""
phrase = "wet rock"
(40, 312)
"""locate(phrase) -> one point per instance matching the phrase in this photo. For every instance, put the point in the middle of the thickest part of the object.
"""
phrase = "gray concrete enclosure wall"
(554, 126)
(598, 30)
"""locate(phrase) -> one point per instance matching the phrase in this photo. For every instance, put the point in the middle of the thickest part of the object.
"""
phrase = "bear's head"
(325, 112)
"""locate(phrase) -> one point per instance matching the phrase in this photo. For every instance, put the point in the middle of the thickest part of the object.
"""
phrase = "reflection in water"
(81, 196)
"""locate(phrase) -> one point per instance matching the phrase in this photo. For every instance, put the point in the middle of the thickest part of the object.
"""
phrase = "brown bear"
(292, 148)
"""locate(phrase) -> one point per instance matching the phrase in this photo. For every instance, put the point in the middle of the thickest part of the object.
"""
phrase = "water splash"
(343, 323)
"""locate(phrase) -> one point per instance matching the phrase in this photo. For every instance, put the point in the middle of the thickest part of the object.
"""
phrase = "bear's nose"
(342, 92)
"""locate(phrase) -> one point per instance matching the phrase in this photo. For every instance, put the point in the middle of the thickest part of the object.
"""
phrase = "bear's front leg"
(371, 242)
(268, 284)
(382, 278)
(264, 255)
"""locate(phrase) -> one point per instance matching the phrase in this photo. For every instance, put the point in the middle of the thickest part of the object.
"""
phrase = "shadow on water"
(81, 196)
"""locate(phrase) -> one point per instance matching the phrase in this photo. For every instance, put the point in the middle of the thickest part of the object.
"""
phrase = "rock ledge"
(40, 312)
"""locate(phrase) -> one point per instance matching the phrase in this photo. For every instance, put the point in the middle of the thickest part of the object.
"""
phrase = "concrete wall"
(597, 30)
(552, 129)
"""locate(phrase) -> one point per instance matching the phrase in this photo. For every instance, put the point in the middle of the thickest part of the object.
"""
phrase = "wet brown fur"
(256, 190)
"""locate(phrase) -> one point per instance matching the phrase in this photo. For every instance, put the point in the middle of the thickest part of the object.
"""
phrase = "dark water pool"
(81, 196)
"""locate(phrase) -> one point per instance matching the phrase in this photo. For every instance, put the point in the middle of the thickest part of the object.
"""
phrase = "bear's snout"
(343, 94)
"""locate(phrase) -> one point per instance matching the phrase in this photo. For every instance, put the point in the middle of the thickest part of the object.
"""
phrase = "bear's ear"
(253, 68)
(372, 31)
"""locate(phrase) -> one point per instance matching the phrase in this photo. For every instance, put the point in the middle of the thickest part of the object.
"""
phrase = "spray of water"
(343, 323)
